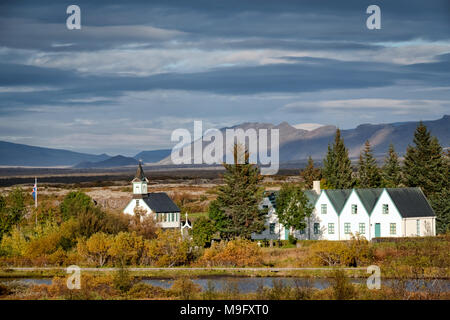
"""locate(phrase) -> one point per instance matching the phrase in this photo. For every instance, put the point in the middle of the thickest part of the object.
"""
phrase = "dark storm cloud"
(41, 24)
(301, 75)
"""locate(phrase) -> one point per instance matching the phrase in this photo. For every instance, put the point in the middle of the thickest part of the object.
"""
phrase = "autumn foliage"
(235, 253)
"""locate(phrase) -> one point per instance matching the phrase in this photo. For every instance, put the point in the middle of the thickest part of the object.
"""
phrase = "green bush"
(122, 280)
(342, 288)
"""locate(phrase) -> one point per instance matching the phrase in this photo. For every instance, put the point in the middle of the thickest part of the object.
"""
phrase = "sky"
(137, 70)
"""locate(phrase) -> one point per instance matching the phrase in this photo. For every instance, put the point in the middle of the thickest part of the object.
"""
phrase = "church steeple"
(140, 181)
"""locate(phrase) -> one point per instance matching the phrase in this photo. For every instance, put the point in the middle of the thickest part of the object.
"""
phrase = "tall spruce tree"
(310, 174)
(440, 202)
(337, 168)
(427, 167)
(391, 171)
(424, 164)
(239, 198)
(368, 171)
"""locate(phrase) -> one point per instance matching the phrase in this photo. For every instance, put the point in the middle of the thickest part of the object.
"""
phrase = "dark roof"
(369, 197)
(160, 202)
(411, 202)
(338, 197)
(140, 176)
(312, 196)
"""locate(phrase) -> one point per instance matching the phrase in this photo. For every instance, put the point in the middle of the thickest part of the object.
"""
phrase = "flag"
(34, 193)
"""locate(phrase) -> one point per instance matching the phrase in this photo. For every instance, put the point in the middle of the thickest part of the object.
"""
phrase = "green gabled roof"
(338, 197)
(312, 196)
(369, 197)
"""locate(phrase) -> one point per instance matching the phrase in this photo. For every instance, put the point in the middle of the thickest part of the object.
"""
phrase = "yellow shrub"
(235, 253)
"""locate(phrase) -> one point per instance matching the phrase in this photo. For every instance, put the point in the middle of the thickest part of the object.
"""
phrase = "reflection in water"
(245, 285)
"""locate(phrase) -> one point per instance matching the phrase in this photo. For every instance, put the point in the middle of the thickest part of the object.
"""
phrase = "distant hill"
(152, 156)
(296, 144)
(117, 161)
(14, 154)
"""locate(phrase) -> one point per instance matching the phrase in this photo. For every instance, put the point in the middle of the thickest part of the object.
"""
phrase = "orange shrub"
(235, 253)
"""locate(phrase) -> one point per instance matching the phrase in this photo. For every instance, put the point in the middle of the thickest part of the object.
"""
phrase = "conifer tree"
(239, 198)
(310, 174)
(369, 174)
(337, 165)
(391, 171)
(425, 165)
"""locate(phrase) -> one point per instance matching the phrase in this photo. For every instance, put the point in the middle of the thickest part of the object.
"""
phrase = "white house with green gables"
(340, 213)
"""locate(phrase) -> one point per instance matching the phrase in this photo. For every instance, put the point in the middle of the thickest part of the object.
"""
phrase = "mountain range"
(297, 143)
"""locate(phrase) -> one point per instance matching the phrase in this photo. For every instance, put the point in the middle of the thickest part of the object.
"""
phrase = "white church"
(340, 213)
(165, 211)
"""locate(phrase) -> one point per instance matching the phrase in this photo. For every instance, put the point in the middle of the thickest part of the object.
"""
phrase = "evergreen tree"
(425, 165)
(337, 165)
(239, 198)
(310, 174)
(440, 202)
(369, 174)
(391, 171)
(293, 207)
(221, 221)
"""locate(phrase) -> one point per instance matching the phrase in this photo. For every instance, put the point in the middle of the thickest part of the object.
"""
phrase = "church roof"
(160, 202)
(140, 174)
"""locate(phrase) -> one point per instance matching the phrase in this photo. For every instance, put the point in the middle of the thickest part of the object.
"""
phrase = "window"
(362, 228)
(354, 209)
(272, 228)
(331, 228)
(265, 206)
(393, 228)
(316, 228)
(172, 217)
(347, 228)
(418, 227)
(323, 208)
(302, 231)
(385, 208)
(137, 203)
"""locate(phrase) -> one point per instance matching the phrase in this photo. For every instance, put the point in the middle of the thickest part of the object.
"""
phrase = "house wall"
(427, 226)
(129, 209)
(346, 216)
(323, 219)
(271, 217)
(385, 220)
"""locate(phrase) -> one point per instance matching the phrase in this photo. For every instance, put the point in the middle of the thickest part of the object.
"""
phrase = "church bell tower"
(140, 183)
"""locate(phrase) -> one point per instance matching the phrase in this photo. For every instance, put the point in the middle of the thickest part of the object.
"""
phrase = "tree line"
(236, 212)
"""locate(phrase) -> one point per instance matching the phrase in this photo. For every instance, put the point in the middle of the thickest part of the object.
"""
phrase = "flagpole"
(35, 197)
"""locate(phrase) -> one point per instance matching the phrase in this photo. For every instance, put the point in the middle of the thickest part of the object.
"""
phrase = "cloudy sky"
(139, 69)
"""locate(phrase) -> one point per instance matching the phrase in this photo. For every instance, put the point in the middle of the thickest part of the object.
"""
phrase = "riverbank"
(193, 272)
